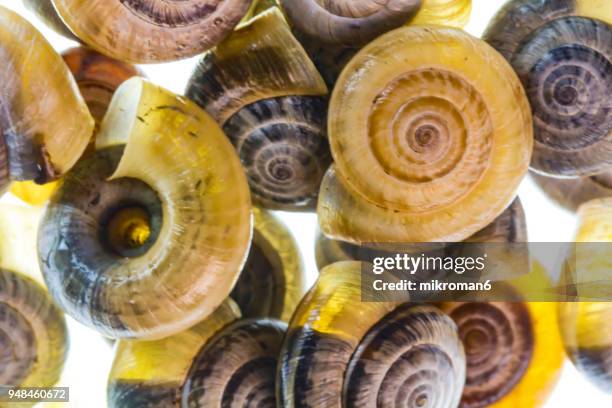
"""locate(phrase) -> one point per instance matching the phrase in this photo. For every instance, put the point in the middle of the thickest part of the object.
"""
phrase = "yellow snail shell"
(454, 13)
(97, 77)
(584, 324)
(44, 122)
(147, 236)
(221, 361)
(340, 351)
(272, 281)
(429, 144)
(260, 85)
(146, 31)
(33, 332)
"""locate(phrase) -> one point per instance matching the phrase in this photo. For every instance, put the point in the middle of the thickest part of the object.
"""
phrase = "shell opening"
(129, 231)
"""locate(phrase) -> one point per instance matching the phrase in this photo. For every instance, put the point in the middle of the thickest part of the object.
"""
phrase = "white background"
(91, 356)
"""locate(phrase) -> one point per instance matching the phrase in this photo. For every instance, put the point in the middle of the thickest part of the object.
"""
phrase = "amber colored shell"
(45, 124)
(415, 162)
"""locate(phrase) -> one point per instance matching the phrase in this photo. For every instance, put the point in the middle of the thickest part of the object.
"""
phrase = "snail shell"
(272, 281)
(347, 23)
(428, 143)
(562, 51)
(33, 333)
(505, 260)
(258, 7)
(454, 13)
(221, 361)
(513, 352)
(328, 251)
(145, 31)
(44, 10)
(583, 324)
(269, 100)
(570, 193)
(375, 354)
(44, 123)
(97, 77)
(147, 236)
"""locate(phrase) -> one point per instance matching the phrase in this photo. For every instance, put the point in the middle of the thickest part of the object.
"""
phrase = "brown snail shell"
(146, 31)
(513, 352)
(570, 193)
(414, 161)
(147, 236)
(347, 23)
(272, 281)
(98, 77)
(260, 85)
(222, 361)
(562, 51)
(377, 354)
(44, 123)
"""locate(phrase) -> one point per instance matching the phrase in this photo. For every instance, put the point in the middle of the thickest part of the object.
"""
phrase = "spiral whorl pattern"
(411, 358)
(428, 125)
(237, 367)
(33, 333)
(562, 52)
(172, 13)
(420, 135)
(567, 72)
(148, 31)
(499, 342)
(282, 144)
(382, 353)
(348, 22)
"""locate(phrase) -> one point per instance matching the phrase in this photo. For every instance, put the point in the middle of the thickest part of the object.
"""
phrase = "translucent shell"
(429, 144)
(273, 279)
(513, 351)
(341, 352)
(221, 361)
(147, 236)
(584, 325)
(454, 13)
(562, 51)
(146, 31)
(97, 77)
(44, 122)
(348, 23)
(44, 10)
(258, 7)
(570, 193)
(262, 87)
(33, 333)
(509, 227)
